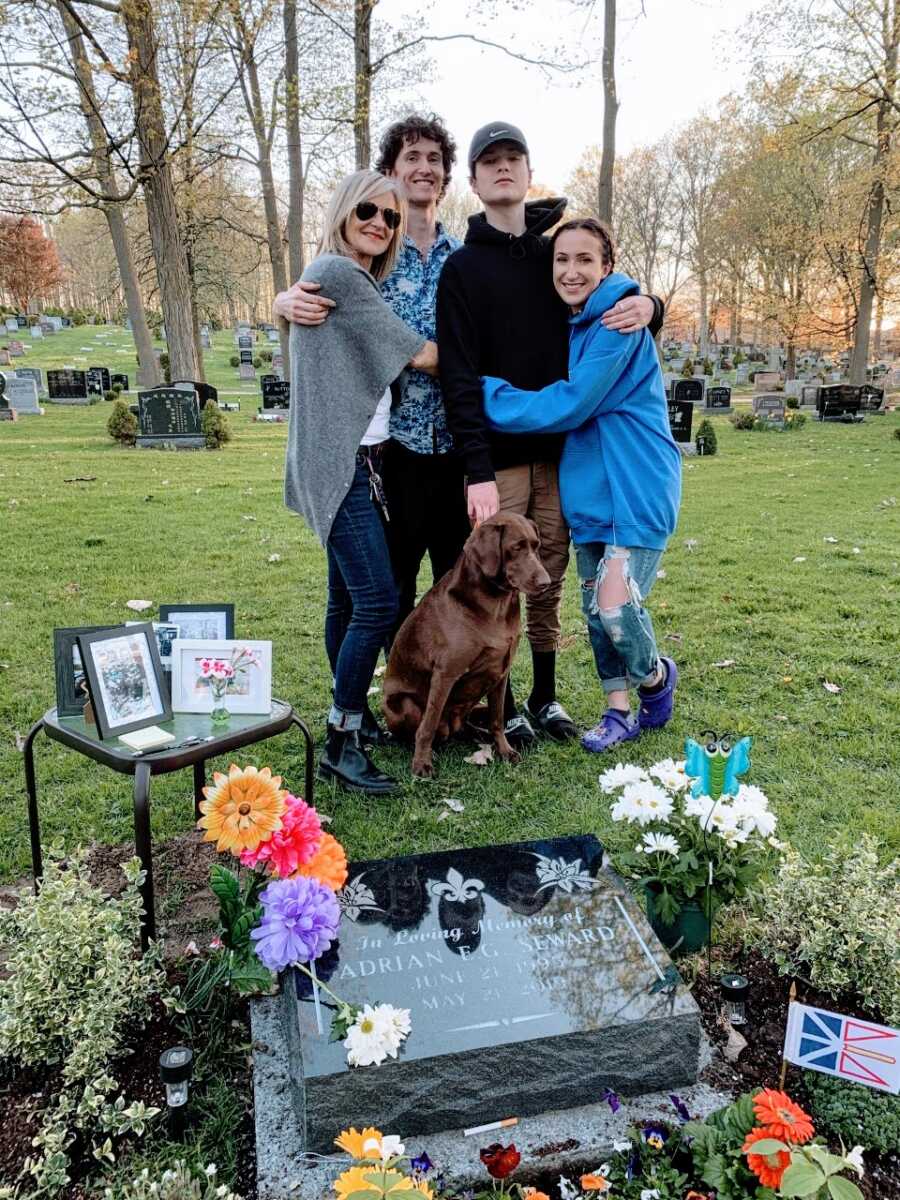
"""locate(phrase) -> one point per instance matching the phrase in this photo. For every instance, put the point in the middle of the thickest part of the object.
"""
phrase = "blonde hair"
(352, 190)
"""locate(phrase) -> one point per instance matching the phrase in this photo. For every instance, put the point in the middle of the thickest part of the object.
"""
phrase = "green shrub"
(738, 357)
(687, 370)
(117, 388)
(266, 355)
(215, 427)
(858, 1115)
(73, 985)
(234, 360)
(111, 394)
(745, 419)
(706, 430)
(122, 424)
(836, 923)
(897, 433)
(792, 402)
(707, 367)
(180, 1182)
(257, 361)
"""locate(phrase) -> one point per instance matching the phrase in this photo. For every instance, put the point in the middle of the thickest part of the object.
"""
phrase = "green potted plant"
(694, 853)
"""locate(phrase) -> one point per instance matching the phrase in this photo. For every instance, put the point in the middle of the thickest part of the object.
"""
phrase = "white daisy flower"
(372, 1037)
(655, 803)
(660, 843)
(670, 774)
(855, 1159)
(390, 1146)
(620, 775)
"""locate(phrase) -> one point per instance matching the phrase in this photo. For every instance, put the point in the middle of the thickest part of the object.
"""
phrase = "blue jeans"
(622, 638)
(362, 599)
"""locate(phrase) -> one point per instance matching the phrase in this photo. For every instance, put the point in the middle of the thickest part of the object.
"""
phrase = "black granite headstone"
(67, 385)
(838, 402)
(690, 390)
(98, 380)
(205, 391)
(275, 392)
(718, 398)
(245, 356)
(532, 978)
(171, 417)
(871, 398)
(681, 415)
(245, 341)
(116, 377)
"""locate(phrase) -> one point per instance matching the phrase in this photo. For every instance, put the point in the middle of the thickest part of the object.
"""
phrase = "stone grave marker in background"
(278, 364)
(808, 394)
(16, 348)
(681, 415)
(117, 377)
(48, 329)
(67, 386)
(5, 357)
(770, 406)
(689, 390)
(273, 336)
(205, 341)
(98, 380)
(205, 392)
(169, 416)
(246, 370)
(871, 399)
(277, 395)
(32, 373)
(533, 982)
(12, 324)
(718, 399)
(36, 332)
(766, 381)
(792, 387)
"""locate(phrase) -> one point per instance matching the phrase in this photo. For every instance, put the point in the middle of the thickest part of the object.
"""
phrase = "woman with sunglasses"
(341, 377)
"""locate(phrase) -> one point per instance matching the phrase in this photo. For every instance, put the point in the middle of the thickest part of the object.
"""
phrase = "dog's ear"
(487, 549)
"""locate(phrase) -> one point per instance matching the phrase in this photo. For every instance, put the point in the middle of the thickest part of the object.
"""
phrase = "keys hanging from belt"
(376, 489)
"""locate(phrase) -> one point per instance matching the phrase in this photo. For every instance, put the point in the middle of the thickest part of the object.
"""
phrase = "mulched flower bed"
(186, 910)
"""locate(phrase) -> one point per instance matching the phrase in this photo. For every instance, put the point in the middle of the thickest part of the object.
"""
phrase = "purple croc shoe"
(614, 727)
(656, 707)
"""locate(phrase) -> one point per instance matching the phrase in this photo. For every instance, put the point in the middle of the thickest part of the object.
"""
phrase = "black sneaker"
(553, 721)
(519, 732)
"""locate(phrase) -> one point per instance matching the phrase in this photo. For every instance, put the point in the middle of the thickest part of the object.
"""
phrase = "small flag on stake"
(843, 1046)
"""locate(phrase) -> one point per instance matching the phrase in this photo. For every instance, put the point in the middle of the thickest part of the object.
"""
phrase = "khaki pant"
(532, 491)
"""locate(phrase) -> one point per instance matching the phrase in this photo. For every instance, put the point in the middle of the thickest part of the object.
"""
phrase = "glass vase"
(220, 714)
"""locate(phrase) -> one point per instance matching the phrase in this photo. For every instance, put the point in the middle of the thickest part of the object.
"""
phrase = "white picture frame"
(251, 694)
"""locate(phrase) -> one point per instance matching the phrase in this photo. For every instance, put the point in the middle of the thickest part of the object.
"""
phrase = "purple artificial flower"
(680, 1107)
(654, 1135)
(632, 1166)
(300, 921)
(421, 1163)
(611, 1099)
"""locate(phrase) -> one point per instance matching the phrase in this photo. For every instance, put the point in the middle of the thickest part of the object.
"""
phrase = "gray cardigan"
(339, 372)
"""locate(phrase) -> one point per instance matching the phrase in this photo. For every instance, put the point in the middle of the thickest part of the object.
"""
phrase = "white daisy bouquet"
(689, 848)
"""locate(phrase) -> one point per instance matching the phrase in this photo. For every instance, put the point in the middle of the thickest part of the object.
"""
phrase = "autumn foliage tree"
(29, 263)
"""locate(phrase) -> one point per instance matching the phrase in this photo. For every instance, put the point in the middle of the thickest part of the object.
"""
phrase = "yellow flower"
(352, 1180)
(243, 809)
(353, 1142)
(423, 1187)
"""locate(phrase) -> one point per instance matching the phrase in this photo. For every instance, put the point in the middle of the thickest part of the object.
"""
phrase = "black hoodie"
(498, 314)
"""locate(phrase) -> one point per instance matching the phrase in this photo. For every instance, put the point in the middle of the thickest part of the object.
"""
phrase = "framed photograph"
(200, 622)
(249, 688)
(71, 684)
(125, 679)
(165, 637)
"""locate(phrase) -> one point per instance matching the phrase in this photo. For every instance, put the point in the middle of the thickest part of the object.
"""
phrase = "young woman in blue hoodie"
(619, 476)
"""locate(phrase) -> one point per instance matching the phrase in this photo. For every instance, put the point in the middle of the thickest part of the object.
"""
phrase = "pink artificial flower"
(205, 666)
(216, 943)
(219, 666)
(227, 670)
(291, 846)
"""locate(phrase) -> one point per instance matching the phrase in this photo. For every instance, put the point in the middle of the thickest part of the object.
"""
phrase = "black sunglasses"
(366, 210)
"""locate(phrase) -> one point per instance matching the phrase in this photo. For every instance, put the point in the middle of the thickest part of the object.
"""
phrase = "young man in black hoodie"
(498, 314)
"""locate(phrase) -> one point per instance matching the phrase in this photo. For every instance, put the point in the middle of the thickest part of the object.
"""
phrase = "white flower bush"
(689, 844)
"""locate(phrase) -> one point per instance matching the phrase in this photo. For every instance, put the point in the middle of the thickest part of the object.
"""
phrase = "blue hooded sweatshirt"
(620, 471)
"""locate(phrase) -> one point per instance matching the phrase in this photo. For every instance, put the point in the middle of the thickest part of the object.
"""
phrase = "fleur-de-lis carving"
(457, 888)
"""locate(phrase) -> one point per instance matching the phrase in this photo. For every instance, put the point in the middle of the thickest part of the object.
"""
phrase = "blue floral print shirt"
(419, 421)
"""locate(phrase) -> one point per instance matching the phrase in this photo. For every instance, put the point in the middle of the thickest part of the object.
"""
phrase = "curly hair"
(408, 131)
(599, 229)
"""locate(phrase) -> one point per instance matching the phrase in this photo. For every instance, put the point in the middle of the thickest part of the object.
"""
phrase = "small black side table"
(74, 732)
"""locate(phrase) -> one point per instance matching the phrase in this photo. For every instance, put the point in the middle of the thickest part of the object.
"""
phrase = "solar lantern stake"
(176, 1066)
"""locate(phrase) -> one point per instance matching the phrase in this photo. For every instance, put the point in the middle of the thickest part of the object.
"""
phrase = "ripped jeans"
(622, 637)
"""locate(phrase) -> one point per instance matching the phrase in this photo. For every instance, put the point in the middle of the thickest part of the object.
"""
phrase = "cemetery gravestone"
(743, 373)
(48, 329)
(273, 336)
(766, 380)
(688, 390)
(838, 402)
(718, 399)
(32, 373)
(16, 348)
(22, 394)
(681, 415)
(871, 399)
(792, 387)
(278, 365)
(770, 406)
(115, 378)
(36, 332)
(12, 324)
(169, 416)
(276, 396)
(5, 357)
(67, 387)
(205, 392)
(98, 380)
(808, 395)
(205, 341)
(532, 978)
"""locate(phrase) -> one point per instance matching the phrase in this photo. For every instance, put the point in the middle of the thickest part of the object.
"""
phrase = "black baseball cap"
(488, 135)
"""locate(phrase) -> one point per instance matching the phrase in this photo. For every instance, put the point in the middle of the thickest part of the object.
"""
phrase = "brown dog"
(458, 644)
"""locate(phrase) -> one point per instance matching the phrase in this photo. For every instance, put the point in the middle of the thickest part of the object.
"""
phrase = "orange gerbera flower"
(353, 1142)
(531, 1193)
(242, 809)
(784, 1119)
(595, 1183)
(328, 864)
(768, 1168)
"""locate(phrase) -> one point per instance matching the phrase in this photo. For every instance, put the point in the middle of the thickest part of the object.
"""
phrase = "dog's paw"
(423, 768)
(507, 754)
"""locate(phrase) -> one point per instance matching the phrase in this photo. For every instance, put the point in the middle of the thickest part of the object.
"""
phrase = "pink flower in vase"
(205, 666)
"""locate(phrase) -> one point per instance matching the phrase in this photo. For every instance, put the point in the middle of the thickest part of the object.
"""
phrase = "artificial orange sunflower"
(328, 864)
(242, 809)
(353, 1142)
(421, 1186)
(531, 1193)
(768, 1168)
(352, 1180)
(784, 1119)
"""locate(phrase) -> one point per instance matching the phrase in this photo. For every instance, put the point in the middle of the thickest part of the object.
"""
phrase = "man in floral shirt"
(423, 476)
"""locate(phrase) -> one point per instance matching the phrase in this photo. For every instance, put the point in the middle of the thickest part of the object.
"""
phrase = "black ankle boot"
(371, 733)
(345, 760)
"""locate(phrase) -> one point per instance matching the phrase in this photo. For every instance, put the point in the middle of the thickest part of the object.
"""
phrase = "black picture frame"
(110, 724)
(69, 701)
(166, 612)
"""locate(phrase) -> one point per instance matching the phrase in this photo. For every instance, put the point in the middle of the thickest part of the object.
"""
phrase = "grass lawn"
(785, 566)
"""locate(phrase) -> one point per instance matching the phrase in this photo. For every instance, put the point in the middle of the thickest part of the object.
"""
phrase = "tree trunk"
(610, 111)
(879, 322)
(362, 31)
(790, 369)
(704, 315)
(294, 145)
(159, 191)
(143, 340)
